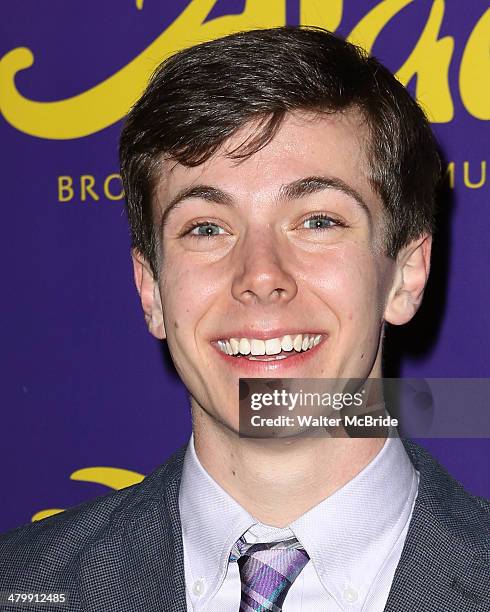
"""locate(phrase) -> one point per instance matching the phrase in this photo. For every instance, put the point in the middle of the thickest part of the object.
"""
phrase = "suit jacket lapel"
(139, 564)
(444, 564)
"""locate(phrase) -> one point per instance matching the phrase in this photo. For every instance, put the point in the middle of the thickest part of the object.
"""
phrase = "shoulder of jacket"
(53, 543)
(460, 513)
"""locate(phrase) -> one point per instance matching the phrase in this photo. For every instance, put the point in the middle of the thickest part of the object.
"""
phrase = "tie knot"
(267, 571)
(241, 547)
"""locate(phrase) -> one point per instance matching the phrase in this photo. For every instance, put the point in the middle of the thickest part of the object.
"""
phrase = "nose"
(261, 275)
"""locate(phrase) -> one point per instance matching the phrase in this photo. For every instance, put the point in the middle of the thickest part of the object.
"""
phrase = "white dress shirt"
(354, 538)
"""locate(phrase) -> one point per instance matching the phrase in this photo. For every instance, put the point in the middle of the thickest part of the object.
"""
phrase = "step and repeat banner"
(90, 401)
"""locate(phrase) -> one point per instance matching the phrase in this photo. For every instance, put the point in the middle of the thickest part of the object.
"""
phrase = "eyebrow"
(313, 184)
(202, 192)
(292, 191)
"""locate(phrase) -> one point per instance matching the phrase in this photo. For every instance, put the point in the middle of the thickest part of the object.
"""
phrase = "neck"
(278, 480)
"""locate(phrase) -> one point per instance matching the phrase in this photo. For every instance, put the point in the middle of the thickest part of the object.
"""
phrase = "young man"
(280, 189)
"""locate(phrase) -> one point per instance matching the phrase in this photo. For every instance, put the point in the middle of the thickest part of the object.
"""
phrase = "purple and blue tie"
(267, 572)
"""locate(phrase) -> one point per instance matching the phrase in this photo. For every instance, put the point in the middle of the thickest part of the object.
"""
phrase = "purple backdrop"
(83, 383)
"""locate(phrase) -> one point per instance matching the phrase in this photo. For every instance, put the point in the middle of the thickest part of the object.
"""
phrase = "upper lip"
(266, 334)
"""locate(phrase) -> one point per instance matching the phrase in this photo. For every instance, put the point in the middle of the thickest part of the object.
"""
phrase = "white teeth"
(244, 346)
(287, 343)
(297, 343)
(273, 347)
(257, 347)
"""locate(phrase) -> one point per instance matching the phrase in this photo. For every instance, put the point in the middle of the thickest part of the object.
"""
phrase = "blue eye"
(206, 229)
(319, 222)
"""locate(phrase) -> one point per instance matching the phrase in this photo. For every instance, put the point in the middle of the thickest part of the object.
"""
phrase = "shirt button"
(198, 587)
(350, 595)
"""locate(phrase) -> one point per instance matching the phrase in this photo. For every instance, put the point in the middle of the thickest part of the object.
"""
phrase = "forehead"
(307, 144)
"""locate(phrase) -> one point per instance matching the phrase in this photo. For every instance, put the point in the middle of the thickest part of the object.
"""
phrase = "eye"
(320, 222)
(205, 229)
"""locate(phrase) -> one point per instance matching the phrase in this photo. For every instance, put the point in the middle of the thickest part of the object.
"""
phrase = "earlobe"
(412, 272)
(149, 294)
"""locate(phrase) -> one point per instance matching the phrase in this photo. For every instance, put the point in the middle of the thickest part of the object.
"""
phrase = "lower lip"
(269, 367)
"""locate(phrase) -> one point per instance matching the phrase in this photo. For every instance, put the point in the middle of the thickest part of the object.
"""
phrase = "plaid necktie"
(267, 572)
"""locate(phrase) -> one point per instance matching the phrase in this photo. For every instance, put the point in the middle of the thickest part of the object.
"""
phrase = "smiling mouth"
(273, 349)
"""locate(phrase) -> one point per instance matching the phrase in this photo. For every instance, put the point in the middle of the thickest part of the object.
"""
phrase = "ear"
(149, 294)
(411, 274)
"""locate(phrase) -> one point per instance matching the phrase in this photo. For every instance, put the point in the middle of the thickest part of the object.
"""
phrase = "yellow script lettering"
(320, 13)
(107, 102)
(114, 478)
(368, 29)
(474, 76)
(429, 60)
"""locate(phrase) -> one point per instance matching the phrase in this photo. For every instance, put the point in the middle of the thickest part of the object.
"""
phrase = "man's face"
(280, 252)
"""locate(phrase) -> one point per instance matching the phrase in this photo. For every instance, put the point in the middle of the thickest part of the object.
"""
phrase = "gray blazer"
(123, 552)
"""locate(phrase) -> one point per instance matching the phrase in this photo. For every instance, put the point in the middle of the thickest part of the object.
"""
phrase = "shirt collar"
(349, 535)
(212, 521)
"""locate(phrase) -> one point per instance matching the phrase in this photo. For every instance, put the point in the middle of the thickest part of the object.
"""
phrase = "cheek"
(349, 285)
(348, 282)
(188, 291)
